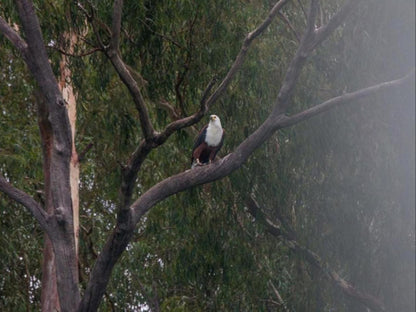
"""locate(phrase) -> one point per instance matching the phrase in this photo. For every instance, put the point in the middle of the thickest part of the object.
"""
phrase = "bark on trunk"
(60, 222)
(49, 295)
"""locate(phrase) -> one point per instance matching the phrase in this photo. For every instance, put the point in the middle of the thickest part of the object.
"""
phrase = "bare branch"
(136, 160)
(173, 114)
(13, 37)
(324, 31)
(132, 86)
(364, 298)
(311, 38)
(60, 50)
(277, 294)
(84, 10)
(206, 101)
(93, 20)
(343, 99)
(27, 201)
(289, 24)
(122, 70)
(144, 148)
(186, 121)
(164, 37)
(312, 13)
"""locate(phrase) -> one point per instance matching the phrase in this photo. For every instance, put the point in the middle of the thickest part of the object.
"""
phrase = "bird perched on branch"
(208, 143)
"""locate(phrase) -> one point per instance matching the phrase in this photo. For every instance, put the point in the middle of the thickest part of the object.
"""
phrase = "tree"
(57, 148)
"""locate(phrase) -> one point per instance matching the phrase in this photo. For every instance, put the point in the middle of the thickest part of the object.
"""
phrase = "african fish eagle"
(208, 143)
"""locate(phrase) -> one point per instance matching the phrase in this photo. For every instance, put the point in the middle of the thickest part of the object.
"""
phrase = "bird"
(208, 142)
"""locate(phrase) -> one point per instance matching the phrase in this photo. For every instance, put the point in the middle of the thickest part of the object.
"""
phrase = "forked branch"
(144, 148)
(231, 162)
(312, 37)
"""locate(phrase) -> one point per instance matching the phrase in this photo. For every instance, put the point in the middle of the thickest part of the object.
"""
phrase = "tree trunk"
(49, 295)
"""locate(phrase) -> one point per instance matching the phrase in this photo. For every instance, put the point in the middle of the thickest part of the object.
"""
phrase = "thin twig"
(288, 23)
(60, 50)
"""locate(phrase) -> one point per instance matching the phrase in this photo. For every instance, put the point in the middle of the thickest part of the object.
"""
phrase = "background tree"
(321, 182)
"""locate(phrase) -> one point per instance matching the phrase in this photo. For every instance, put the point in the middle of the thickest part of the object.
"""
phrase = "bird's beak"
(212, 118)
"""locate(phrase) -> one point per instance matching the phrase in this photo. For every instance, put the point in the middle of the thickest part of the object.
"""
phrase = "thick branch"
(27, 201)
(324, 31)
(132, 86)
(311, 38)
(130, 173)
(186, 121)
(343, 99)
(297, 63)
(366, 299)
(113, 54)
(13, 36)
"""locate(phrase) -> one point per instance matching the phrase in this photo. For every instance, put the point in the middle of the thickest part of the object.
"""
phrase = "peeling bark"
(65, 85)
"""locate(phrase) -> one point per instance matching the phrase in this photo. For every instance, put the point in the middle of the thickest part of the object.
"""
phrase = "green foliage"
(343, 181)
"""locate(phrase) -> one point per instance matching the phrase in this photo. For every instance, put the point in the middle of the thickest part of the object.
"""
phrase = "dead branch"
(289, 24)
(344, 99)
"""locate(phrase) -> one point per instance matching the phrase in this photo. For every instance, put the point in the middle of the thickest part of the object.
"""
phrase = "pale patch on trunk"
(65, 85)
